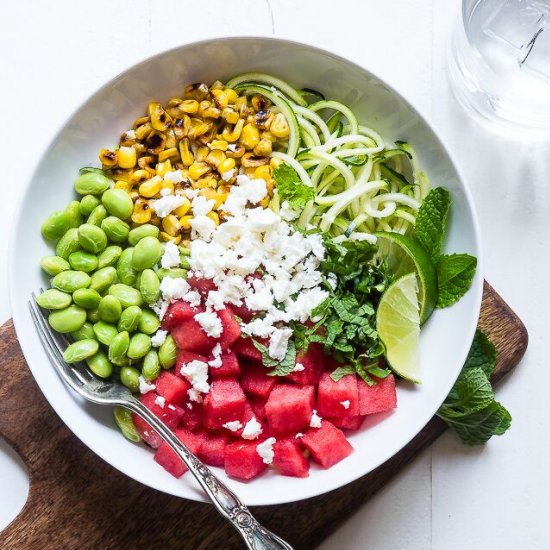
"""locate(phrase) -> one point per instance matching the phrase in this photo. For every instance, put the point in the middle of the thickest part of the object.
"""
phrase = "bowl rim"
(476, 289)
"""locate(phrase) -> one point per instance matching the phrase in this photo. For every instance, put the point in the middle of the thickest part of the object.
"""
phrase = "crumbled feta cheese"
(298, 435)
(160, 401)
(202, 227)
(278, 343)
(164, 192)
(166, 204)
(171, 407)
(174, 176)
(130, 134)
(298, 367)
(173, 288)
(193, 298)
(215, 300)
(252, 429)
(196, 372)
(158, 338)
(315, 421)
(346, 404)
(190, 193)
(145, 386)
(202, 206)
(332, 280)
(160, 307)
(194, 395)
(233, 426)
(265, 450)
(210, 323)
(171, 256)
(216, 363)
(287, 212)
(227, 175)
(232, 147)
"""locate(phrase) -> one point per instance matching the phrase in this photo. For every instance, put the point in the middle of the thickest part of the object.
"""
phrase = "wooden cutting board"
(78, 501)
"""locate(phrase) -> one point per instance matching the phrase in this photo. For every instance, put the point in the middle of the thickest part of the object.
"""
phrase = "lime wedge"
(398, 325)
(404, 255)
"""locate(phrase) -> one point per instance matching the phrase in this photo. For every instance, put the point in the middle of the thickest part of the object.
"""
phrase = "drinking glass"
(499, 63)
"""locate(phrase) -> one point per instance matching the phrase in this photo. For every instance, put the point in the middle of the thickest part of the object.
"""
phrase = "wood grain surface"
(78, 501)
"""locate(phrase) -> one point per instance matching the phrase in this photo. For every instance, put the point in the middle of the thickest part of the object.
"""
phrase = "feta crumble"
(166, 204)
(315, 421)
(252, 429)
(233, 426)
(265, 450)
(171, 256)
(298, 367)
(196, 372)
(173, 288)
(160, 401)
(158, 338)
(346, 404)
(216, 363)
(299, 435)
(210, 323)
(145, 386)
(130, 134)
(278, 344)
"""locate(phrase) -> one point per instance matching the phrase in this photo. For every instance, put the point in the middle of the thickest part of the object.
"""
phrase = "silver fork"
(103, 392)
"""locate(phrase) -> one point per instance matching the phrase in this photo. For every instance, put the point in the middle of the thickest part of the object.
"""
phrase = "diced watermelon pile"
(297, 416)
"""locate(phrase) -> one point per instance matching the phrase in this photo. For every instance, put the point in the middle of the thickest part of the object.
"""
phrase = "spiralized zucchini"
(362, 184)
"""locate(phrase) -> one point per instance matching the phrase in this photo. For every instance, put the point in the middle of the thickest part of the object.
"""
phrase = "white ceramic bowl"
(98, 123)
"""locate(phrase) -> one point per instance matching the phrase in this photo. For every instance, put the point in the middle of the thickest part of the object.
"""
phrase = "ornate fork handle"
(227, 503)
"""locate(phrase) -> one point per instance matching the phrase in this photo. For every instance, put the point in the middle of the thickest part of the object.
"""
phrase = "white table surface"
(54, 54)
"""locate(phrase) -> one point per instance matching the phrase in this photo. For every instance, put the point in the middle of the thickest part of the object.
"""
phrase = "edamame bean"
(174, 273)
(73, 212)
(140, 344)
(145, 230)
(103, 278)
(93, 315)
(151, 366)
(67, 320)
(148, 322)
(119, 346)
(129, 376)
(127, 295)
(149, 286)
(129, 319)
(86, 298)
(92, 238)
(109, 256)
(115, 229)
(53, 265)
(167, 353)
(184, 251)
(100, 365)
(184, 262)
(97, 215)
(105, 332)
(67, 244)
(80, 350)
(85, 332)
(147, 253)
(125, 271)
(54, 299)
(83, 261)
(118, 203)
(92, 183)
(88, 203)
(56, 225)
(109, 309)
(123, 419)
(121, 362)
(69, 281)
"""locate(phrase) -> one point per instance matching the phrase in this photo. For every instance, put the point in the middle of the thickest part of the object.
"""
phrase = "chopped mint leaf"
(431, 221)
(340, 372)
(281, 368)
(482, 354)
(291, 188)
(379, 372)
(454, 277)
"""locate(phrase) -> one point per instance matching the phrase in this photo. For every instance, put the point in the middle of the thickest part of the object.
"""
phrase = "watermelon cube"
(229, 367)
(312, 363)
(245, 348)
(169, 460)
(242, 460)
(192, 416)
(185, 357)
(255, 380)
(247, 416)
(212, 448)
(172, 388)
(178, 312)
(327, 444)
(348, 422)
(243, 312)
(231, 328)
(224, 403)
(190, 336)
(289, 459)
(289, 408)
(337, 399)
(378, 398)
(258, 406)
(169, 415)
(204, 286)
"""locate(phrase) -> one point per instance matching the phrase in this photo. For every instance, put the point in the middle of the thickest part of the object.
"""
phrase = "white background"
(54, 54)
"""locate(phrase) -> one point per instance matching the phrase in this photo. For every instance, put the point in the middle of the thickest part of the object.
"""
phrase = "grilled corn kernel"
(108, 158)
(168, 154)
(186, 155)
(263, 173)
(233, 134)
(263, 119)
(201, 154)
(223, 189)
(121, 174)
(198, 128)
(155, 220)
(151, 187)
(218, 144)
(184, 208)
(217, 85)
(241, 105)
(174, 102)
(260, 102)
(155, 142)
(163, 167)
(207, 181)
(198, 169)
(214, 217)
(226, 165)
(140, 121)
(184, 222)
(171, 225)
(249, 172)
(127, 157)
(160, 119)
(275, 163)
(210, 194)
(210, 112)
(142, 212)
(279, 127)
(231, 95)
(206, 138)
(250, 136)
(189, 106)
(263, 149)
(229, 115)
(220, 98)
(198, 91)
(134, 195)
(171, 142)
(251, 161)
(147, 163)
(139, 176)
(236, 151)
(166, 237)
(264, 203)
(126, 185)
(215, 157)
(143, 131)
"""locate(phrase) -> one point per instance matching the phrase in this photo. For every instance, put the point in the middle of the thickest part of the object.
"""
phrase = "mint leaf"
(431, 221)
(291, 188)
(482, 354)
(281, 368)
(340, 372)
(454, 277)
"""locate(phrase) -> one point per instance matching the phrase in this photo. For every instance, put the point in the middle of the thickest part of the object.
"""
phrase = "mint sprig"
(280, 368)
(454, 277)
(291, 188)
